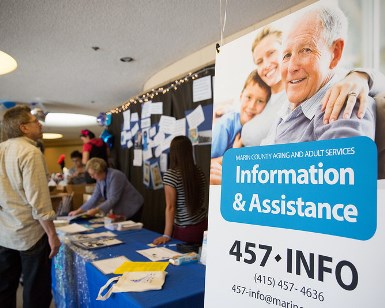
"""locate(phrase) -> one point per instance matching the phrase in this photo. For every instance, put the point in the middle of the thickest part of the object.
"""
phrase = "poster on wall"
(156, 177)
(146, 174)
(199, 123)
(296, 201)
(202, 89)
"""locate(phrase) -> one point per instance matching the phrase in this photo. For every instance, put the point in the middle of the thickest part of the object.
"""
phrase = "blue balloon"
(107, 138)
(101, 119)
(108, 119)
(8, 105)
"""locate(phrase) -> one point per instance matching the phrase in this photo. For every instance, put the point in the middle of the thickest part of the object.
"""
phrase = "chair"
(78, 190)
(65, 205)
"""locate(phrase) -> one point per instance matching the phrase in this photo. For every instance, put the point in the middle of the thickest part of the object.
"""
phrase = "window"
(366, 34)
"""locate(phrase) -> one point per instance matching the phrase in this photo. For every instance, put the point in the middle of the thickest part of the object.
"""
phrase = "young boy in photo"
(227, 130)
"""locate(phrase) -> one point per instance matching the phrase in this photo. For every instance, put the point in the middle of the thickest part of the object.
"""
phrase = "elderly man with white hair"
(312, 50)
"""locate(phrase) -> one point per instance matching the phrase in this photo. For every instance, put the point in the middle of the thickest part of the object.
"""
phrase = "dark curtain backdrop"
(175, 103)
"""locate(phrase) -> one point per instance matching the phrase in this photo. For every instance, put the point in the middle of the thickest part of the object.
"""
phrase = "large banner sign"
(327, 187)
(297, 215)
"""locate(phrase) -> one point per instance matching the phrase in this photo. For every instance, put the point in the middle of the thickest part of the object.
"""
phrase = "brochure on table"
(293, 225)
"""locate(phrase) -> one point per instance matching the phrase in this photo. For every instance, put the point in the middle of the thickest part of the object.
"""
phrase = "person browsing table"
(119, 195)
(185, 189)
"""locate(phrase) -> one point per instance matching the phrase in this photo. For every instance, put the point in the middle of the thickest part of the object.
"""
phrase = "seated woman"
(76, 175)
(119, 195)
(185, 189)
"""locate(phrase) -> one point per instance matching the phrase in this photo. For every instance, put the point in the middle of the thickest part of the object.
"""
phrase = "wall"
(52, 154)
(206, 56)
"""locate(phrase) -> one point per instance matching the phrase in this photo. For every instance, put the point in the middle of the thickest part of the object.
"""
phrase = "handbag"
(133, 282)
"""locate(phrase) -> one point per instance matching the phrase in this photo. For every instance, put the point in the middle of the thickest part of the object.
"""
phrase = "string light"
(144, 97)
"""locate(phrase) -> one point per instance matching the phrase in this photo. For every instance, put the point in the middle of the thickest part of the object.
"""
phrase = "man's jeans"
(36, 268)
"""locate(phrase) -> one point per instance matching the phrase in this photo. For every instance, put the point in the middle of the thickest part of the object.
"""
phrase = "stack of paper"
(108, 266)
(60, 223)
(69, 218)
(158, 253)
(129, 225)
(72, 228)
(97, 243)
(89, 236)
(95, 240)
(124, 225)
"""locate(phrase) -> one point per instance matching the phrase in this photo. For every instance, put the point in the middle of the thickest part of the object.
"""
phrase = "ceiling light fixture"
(52, 136)
(7, 63)
(126, 59)
(53, 119)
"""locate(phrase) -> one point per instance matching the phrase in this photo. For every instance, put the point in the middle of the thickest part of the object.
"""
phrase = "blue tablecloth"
(76, 282)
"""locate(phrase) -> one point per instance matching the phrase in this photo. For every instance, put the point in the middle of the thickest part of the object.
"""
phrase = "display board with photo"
(296, 193)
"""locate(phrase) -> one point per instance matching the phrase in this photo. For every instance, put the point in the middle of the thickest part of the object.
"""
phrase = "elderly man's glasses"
(33, 121)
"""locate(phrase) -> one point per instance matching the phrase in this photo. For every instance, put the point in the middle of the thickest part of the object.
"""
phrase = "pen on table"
(169, 245)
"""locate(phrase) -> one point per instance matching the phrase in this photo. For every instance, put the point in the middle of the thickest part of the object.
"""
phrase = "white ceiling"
(52, 42)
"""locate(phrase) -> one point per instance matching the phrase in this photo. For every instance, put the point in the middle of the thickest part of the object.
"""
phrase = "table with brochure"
(76, 281)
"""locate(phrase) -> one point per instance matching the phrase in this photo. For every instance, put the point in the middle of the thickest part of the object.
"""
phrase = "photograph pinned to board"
(150, 141)
(156, 177)
(138, 140)
(193, 135)
(145, 139)
(199, 123)
(146, 174)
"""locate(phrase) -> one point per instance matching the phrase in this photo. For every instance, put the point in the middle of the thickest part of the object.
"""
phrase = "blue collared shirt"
(305, 123)
(224, 133)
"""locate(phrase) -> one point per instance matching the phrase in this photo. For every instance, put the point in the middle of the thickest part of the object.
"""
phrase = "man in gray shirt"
(312, 49)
